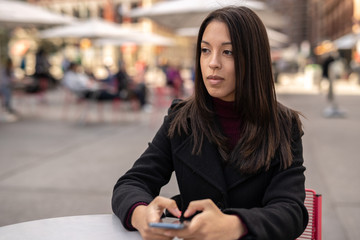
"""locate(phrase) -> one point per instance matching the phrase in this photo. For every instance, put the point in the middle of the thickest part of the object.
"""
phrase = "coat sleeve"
(142, 183)
(283, 215)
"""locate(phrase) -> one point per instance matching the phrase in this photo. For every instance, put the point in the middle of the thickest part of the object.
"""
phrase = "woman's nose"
(215, 61)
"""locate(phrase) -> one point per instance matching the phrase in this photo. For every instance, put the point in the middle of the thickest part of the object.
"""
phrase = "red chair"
(162, 97)
(71, 99)
(313, 203)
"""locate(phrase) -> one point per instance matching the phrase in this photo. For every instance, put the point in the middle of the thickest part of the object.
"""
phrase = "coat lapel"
(234, 177)
(207, 165)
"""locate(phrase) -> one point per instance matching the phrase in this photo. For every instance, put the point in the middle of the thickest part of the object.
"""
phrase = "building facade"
(295, 16)
(329, 22)
(118, 11)
(318, 20)
(110, 10)
(330, 19)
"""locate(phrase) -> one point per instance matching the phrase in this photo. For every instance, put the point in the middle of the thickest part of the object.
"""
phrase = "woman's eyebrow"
(224, 43)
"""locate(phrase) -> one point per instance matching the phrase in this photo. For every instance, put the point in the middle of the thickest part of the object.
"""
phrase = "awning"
(178, 14)
(17, 13)
(347, 41)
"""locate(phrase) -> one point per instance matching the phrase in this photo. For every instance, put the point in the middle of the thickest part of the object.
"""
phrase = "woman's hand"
(143, 215)
(210, 224)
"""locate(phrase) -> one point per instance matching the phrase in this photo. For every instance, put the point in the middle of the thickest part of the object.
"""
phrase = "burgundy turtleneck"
(229, 120)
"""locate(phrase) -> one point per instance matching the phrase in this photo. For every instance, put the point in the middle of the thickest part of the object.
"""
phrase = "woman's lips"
(214, 79)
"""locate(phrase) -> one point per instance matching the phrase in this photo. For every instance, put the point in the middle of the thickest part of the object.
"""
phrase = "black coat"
(270, 203)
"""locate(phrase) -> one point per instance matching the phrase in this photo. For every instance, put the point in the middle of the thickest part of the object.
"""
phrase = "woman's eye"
(228, 52)
(205, 50)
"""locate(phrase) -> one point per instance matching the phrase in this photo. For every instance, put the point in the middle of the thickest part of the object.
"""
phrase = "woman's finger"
(167, 203)
(198, 206)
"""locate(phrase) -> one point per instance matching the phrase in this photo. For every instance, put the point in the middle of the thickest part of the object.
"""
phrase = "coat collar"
(208, 165)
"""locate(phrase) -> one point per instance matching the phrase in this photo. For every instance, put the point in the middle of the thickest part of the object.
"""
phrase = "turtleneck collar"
(224, 109)
(229, 120)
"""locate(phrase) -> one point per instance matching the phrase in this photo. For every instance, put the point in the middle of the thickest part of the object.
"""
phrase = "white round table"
(89, 227)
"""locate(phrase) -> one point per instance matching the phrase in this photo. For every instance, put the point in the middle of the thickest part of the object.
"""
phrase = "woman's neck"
(229, 120)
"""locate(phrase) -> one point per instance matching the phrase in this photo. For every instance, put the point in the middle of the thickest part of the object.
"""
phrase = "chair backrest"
(313, 203)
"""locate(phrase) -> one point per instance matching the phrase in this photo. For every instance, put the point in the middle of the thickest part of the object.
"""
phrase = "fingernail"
(186, 213)
(177, 212)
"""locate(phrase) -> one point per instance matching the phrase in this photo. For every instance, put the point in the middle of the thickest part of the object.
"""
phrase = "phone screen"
(167, 225)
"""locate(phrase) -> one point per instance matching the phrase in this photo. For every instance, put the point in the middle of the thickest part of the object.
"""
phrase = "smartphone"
(167, 225)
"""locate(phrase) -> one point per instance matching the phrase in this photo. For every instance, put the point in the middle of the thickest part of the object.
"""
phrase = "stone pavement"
(52, 167)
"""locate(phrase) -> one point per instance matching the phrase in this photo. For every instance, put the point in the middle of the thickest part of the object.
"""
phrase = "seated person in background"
(129, 89)
(77, 82)
(84, 86)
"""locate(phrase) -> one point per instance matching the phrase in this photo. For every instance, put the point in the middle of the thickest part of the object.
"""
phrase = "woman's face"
(217, 61)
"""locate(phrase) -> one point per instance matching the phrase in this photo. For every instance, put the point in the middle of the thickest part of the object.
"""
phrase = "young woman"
(236, 151)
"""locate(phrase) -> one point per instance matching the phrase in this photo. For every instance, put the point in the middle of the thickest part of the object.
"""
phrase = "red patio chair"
(313, 202)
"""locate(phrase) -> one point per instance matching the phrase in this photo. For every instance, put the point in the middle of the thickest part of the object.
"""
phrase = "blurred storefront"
(93, 55)
(334, 21)
(116, 11)
(307, 27)
(22, 43)
(320, 21)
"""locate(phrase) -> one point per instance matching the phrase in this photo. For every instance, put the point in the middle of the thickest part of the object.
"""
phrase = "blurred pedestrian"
(41, 77)
(333, 69)
(174, 80)
(6, 82)
(326, 65)
(235, 150)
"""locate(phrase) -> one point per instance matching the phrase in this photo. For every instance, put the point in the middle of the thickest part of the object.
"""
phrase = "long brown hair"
(265, 122)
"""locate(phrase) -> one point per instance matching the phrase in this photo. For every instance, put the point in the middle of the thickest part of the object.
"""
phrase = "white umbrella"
(190, 13)
(91, 28)
(137, 38)
(16, 13)
(347, 41)
(22, 14)
(276, 39)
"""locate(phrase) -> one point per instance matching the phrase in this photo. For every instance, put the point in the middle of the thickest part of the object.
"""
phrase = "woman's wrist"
(238, 228)
(138, 216)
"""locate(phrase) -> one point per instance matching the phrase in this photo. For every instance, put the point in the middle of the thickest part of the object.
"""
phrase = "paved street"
(52, 167)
